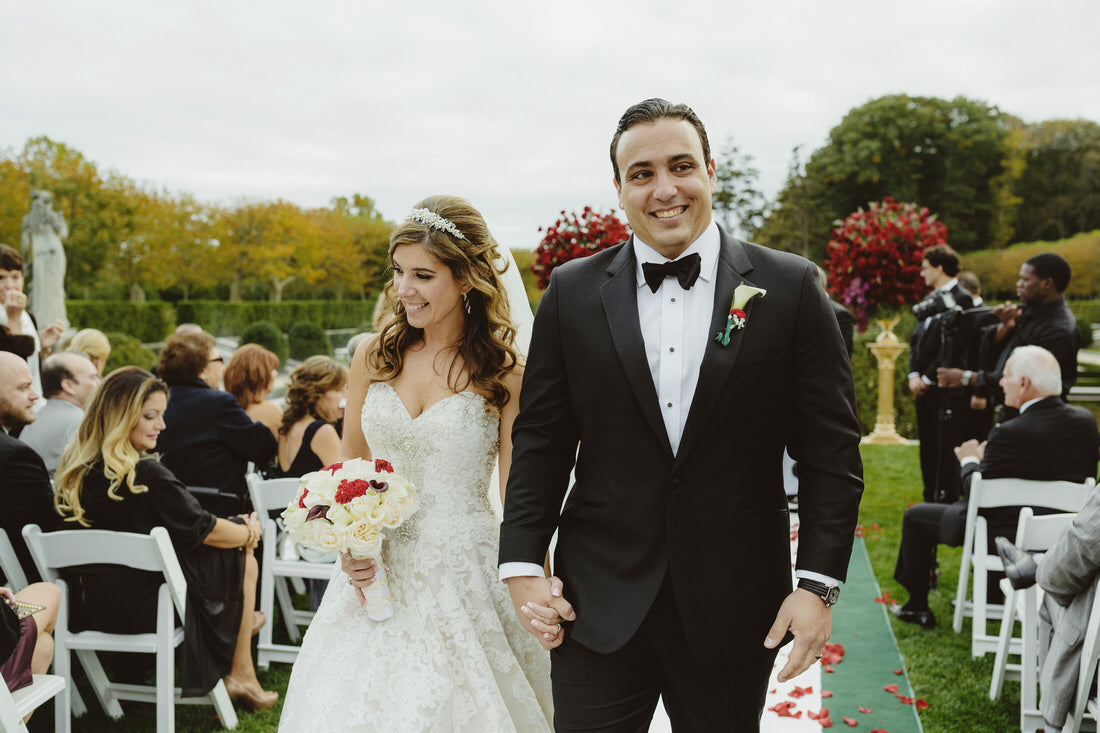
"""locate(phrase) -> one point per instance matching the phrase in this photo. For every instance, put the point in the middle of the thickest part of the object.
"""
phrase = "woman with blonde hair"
(250, 377)
(307, 438)
(435, 394)
(93, 343)
(108, 480)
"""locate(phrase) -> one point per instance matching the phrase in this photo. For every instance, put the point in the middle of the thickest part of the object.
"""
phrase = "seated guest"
(93, 344)
(209, 439)
(25, 492)
(1067, 572)
(250, 377)
(32, 652)
(107, 481)
(18, 330)
(307, 439)
(68, 380)
(1048, 441)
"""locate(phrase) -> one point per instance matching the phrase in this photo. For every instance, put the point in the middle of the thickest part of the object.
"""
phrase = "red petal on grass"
(827, 668)
(884, 598)
(800, 691)
(859, 530)
(920, 704)
(891, 687)
(825, 722)
(899, 671)
(852, 722)
(826, 693)
(783, 710)
(879, 730)
(822, 713)
(905, 699)
(864, 710)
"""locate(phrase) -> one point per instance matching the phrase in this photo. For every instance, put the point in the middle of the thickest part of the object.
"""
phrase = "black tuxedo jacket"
(714, 516)
(924, 346)
(1050, 325)
(26, 497)
(1050, 441)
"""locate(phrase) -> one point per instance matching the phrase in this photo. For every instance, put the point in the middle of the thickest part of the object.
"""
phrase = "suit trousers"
(618, 692)
(940, 432)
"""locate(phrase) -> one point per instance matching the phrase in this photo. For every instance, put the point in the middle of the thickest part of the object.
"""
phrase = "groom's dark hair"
(652, 110)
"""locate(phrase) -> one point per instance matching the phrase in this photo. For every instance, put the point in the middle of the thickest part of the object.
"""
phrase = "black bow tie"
(685, 269)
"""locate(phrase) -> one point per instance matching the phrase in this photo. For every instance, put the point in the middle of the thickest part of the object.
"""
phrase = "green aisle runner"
(870, 658)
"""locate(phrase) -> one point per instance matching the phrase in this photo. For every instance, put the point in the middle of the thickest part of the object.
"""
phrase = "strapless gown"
(453, 657)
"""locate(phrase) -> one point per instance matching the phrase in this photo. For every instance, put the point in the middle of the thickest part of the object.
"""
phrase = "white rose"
(392, 515)
(397, 491)
(339, 516)
(293, 517)
(361, 506)
(363, 540)
(329, 537)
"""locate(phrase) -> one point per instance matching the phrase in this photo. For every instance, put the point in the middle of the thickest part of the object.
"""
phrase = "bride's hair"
(486, 346)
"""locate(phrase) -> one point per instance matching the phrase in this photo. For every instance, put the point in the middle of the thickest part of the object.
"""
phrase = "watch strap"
(828, 593)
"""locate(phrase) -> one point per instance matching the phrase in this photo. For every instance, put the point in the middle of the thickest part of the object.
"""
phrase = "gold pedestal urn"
(886, 348)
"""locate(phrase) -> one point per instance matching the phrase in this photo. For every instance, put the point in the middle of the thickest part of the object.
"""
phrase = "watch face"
(832, 595)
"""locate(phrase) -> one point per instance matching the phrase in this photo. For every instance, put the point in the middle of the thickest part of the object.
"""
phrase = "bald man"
(25, 491)
(68, 380)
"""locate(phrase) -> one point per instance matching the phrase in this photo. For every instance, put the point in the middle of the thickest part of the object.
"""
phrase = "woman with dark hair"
(250, 377)
(435, 394)
(307, 439)
(209, 438)
(106, 480)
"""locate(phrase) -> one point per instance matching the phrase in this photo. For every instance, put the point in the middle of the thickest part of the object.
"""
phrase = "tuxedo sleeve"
(824, 437)
(544, 441)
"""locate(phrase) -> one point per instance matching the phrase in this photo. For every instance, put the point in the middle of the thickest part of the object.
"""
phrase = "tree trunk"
(137, 295)
(277, 286)
(235, 287)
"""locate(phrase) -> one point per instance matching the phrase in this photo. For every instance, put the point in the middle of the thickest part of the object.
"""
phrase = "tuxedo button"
(674, 483)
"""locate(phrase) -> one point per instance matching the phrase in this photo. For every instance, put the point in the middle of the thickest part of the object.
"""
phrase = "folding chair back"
(9, 564)
(14, 706)
(1064, 496)
(269, 495)
(153, 552)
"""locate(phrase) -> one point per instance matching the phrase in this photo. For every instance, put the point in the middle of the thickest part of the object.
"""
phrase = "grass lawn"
(938, 661)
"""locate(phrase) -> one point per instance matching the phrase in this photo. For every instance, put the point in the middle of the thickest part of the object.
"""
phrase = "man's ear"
(618, 191)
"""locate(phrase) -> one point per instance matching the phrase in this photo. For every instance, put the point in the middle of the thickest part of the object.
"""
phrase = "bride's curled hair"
(486, 346)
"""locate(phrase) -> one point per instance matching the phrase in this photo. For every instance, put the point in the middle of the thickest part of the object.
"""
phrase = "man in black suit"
(1043, 320)
(25, 491)
(682, 361)
(939, 412)
(1048, 441)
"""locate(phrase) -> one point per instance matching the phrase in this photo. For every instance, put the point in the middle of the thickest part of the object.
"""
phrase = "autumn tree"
(1059, 187)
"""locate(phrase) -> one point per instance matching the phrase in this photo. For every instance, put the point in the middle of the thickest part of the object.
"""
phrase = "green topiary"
(267, 335)
(308, 339)
(1084, 327)
(127, 351)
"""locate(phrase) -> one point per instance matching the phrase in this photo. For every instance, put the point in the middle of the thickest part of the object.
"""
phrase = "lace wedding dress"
(453, 657)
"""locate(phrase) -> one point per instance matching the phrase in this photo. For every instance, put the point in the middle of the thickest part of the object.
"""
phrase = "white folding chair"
(275, 571)
(1063, 496)
(9, 564)
(1034, 534)
(1090, 655)
(154, 553)
(14, 706)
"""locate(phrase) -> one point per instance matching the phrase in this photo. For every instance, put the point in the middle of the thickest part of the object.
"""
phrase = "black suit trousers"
(941, 425)
(618, 692)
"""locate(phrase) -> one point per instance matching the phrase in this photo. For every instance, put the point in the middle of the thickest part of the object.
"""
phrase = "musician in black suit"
(1048, 441)
(25, 491)
(674, 543)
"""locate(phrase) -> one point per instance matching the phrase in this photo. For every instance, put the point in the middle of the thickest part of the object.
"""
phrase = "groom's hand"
(540, 608)
(811, 623)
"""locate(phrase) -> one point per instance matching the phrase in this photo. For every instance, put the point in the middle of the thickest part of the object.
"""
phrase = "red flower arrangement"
(574, 236)
(874, 256)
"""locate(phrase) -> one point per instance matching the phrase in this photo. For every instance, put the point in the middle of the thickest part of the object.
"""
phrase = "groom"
(674, 544)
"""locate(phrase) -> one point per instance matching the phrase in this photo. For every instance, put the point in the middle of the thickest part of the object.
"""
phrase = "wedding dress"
(453, 656)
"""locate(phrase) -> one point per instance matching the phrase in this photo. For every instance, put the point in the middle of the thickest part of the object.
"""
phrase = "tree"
(796, 217)
(1059, 188)
(946, 155)
(370, 234)
(738, 203)
(574, 236)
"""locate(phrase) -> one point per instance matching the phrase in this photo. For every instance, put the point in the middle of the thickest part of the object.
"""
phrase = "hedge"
(998, 269)
(231, 318)
(147, 322)
(308, 339)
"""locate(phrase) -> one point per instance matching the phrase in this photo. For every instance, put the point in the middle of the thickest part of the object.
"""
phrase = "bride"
(438, 390)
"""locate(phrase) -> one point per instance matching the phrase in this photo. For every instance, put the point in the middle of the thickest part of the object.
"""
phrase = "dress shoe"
(924, 619)
(256, 699)
(1020, 566)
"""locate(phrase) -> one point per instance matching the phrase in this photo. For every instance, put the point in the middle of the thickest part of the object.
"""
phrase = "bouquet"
(344, 507)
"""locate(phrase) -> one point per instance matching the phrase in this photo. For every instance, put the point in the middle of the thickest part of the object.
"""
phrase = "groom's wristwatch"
(829, 593)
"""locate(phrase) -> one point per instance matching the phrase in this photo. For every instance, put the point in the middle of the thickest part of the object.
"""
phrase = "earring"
(466, 302)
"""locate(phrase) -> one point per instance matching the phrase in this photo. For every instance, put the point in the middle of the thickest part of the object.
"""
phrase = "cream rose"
(363, 540)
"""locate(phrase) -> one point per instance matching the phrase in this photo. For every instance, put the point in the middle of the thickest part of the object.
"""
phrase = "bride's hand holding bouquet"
(345, 508)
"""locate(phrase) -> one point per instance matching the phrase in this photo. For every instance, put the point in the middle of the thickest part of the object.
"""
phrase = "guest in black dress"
(307, 439)
(209, 439)
(107, 481)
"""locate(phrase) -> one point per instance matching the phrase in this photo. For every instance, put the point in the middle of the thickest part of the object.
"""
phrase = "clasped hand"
(540, 608)
(361, 573)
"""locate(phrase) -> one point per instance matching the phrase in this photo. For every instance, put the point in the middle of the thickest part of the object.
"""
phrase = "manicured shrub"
(267, 335)
(1084, 328)
(127, 351)
(308, 339)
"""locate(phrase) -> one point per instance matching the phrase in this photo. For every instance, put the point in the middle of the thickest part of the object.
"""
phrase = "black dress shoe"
(924, 619)
(1020, 566)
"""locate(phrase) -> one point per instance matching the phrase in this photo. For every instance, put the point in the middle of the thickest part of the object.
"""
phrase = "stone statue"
(43, 230)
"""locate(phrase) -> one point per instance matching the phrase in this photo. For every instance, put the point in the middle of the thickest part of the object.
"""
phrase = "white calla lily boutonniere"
(737, 319)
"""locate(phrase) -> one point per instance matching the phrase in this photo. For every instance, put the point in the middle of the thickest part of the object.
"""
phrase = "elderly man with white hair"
(1048, 441)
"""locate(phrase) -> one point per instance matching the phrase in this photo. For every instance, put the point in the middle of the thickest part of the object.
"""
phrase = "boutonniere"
(736, 319)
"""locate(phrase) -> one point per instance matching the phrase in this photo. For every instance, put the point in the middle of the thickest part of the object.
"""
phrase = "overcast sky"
(510, 104)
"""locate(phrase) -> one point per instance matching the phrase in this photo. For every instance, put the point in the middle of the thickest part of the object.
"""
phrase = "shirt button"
(670, 404)
(673, 300)
(671, 349)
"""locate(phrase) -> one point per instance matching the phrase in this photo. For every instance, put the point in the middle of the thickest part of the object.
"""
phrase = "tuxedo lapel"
(620, 302)
(718, 360)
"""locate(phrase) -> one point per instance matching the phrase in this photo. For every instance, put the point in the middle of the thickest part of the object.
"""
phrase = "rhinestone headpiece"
(435, 221)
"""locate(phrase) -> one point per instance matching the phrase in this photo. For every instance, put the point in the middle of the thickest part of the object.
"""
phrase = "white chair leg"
(100, 684)
(286, 606)
(960, 591)
(62, 718)
(1000, 663)
(77, 705)
(165, 656)
(219, 696)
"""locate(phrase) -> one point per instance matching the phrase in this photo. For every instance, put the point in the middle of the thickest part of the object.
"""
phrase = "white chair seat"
(14, 706)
